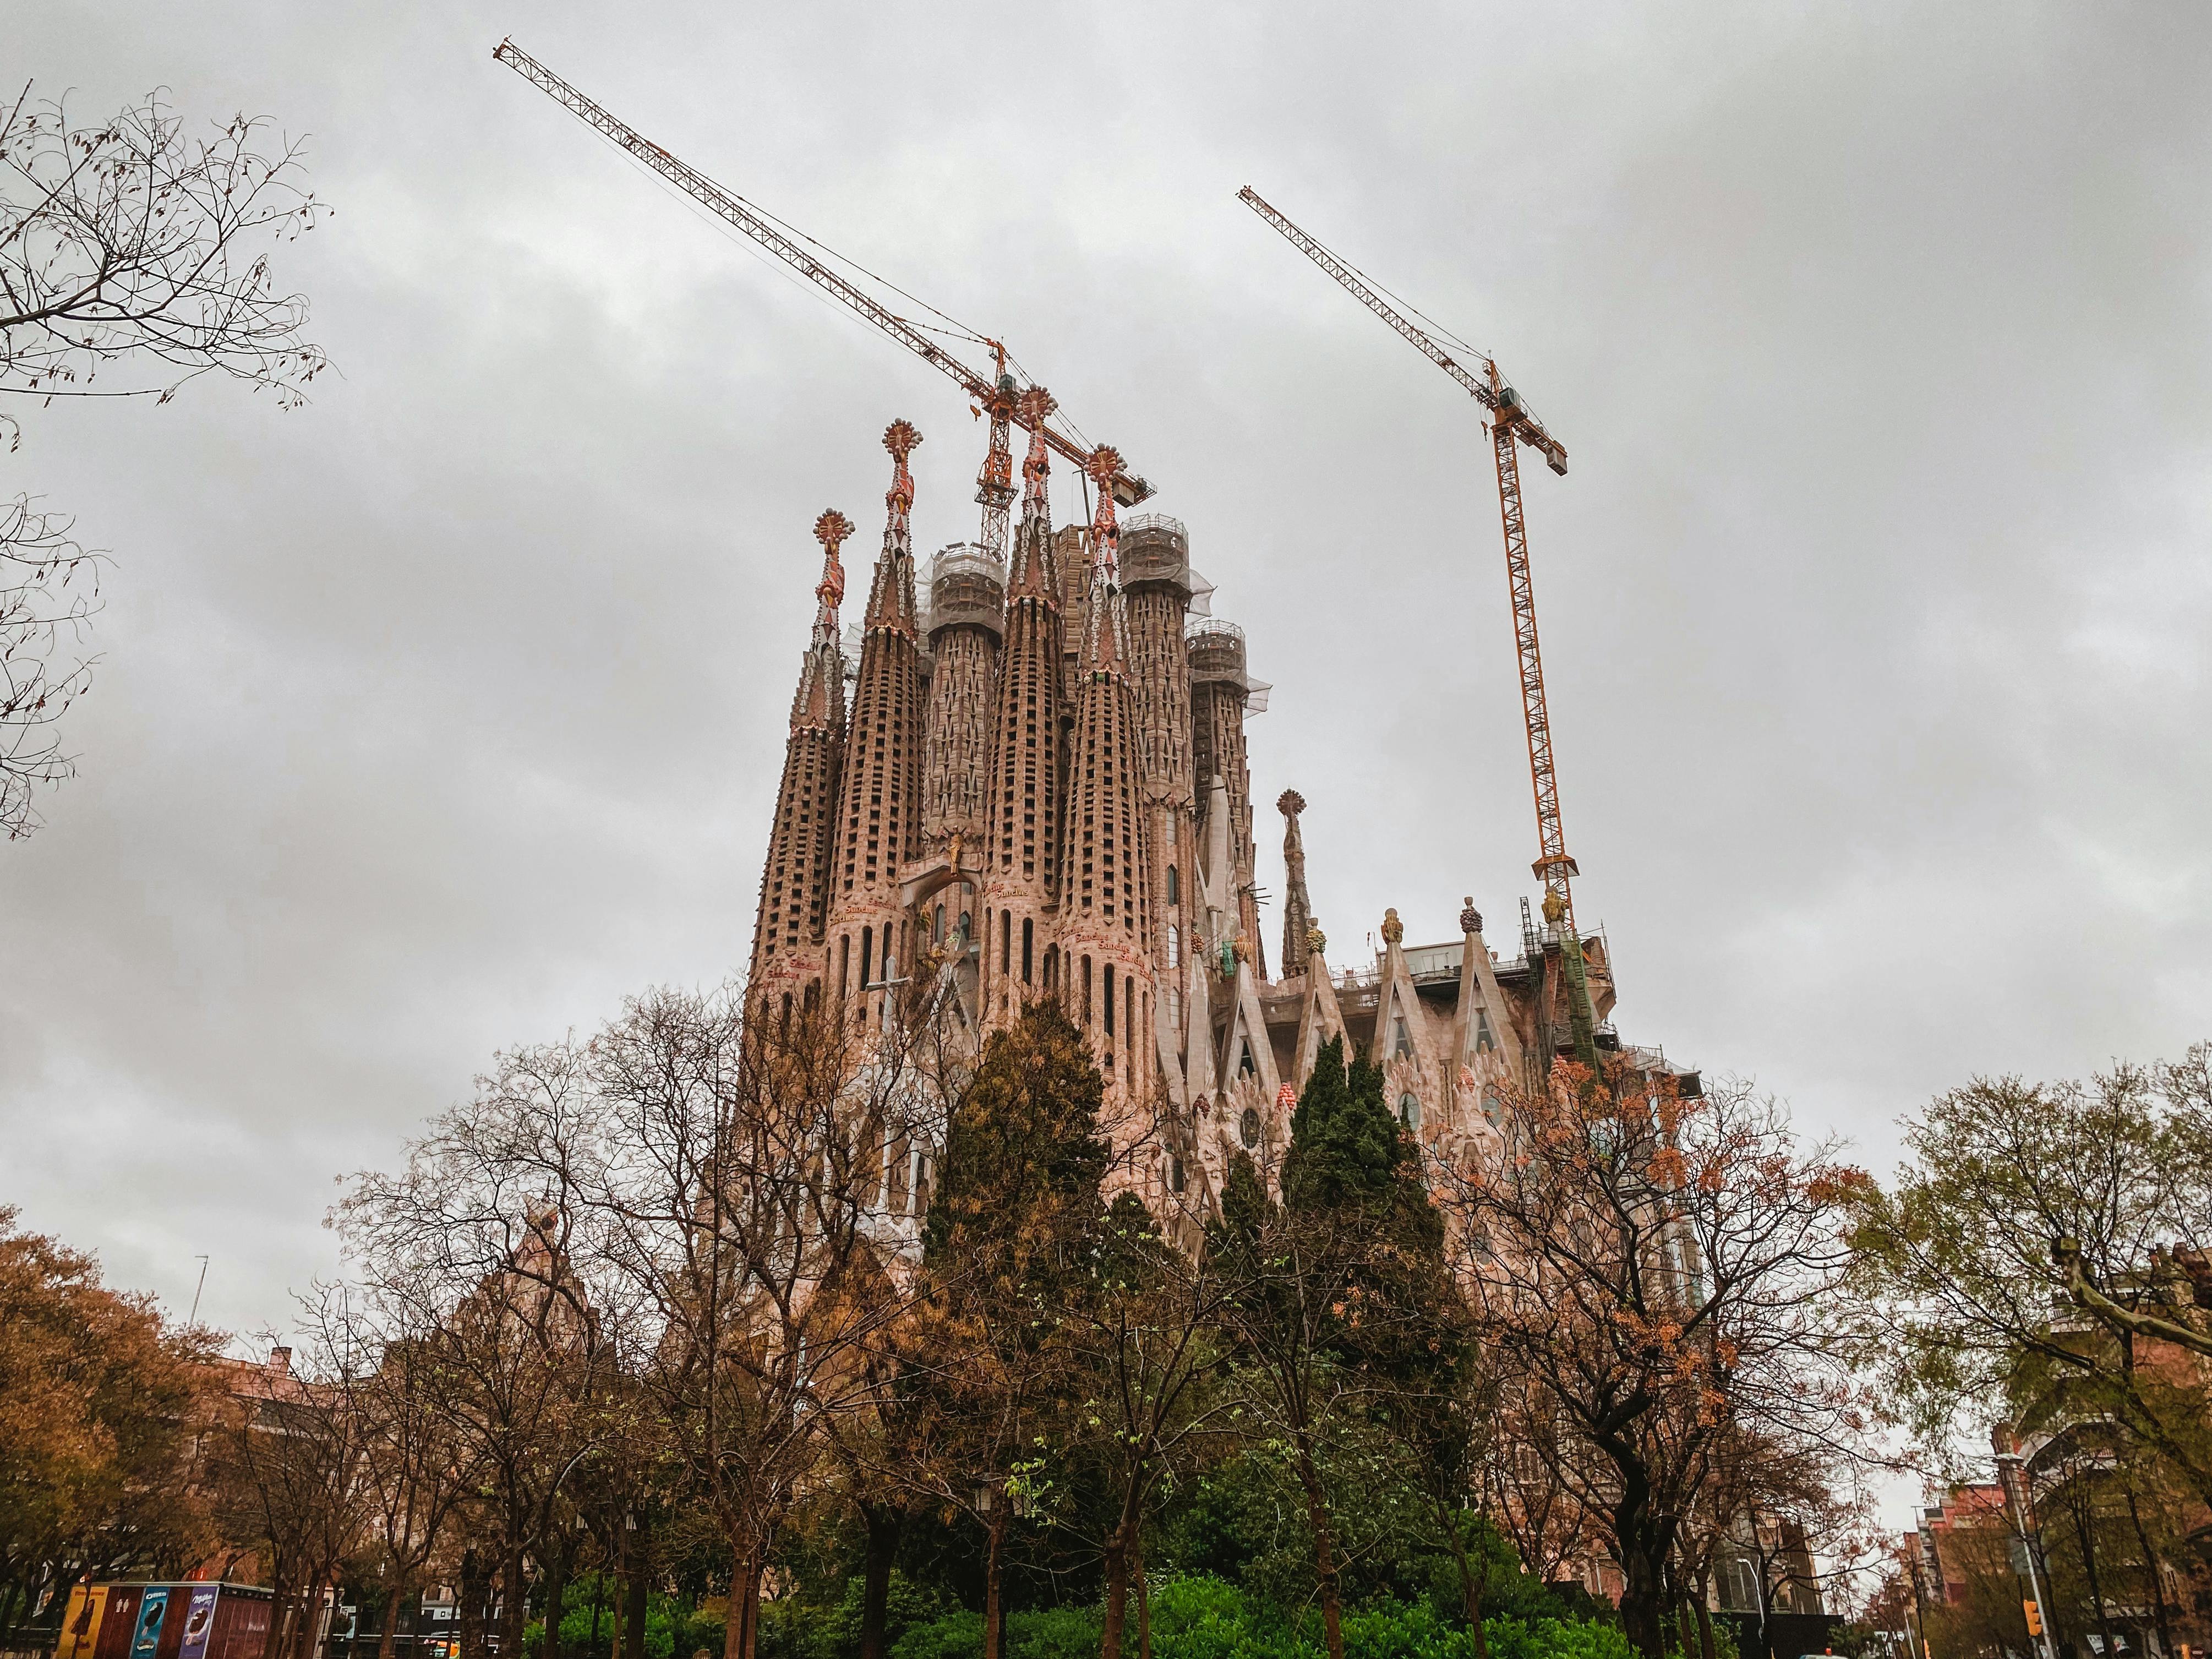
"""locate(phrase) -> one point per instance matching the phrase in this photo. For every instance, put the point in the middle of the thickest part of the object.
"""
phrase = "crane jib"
(1512, 424)
(1129, 487)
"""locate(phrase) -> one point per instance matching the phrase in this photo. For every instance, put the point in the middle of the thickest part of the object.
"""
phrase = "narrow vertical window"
(1174, 945)
(867, 958)
(1006, 937)
(1109, 978)
(1086, 993)
(844, 967)
(1175, 886)
(1029, 940)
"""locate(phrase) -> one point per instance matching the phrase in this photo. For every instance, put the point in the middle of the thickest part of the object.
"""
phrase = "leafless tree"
(742, 1192)
(1654, 1268)
(473, 1248)
(289, 1473)
(126, 247)
(49, 590)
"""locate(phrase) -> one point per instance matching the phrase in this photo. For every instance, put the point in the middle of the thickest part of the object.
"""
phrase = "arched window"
(1409, 1111)
(1175, 942)
(1109, 1000)
(1248, 1128)
(1029, 940)
(1493, 1111)
(1175, 882)
(937, 927)
(1402, 1041)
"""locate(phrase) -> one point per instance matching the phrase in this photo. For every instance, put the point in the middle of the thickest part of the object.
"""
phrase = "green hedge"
(1209, 1618)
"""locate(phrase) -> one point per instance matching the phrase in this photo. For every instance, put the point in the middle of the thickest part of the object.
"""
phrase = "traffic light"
(2034, 1616)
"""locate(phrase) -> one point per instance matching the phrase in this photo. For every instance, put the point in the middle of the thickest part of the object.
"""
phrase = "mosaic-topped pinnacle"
(831, 529)
(1289, 803)
(901, 438)
(1470, 919)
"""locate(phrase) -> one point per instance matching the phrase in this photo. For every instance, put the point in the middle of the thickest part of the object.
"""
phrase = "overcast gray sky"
(438, 716)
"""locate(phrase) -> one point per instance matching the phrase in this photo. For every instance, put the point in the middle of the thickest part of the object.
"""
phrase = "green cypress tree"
(1008, 1250)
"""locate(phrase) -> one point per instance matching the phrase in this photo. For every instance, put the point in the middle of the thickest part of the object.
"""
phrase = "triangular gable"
(1396, 1003)
(1246, 1032)
(1320, 1018)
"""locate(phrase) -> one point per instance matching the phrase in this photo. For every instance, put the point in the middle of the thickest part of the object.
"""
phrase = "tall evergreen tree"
(1008, 1250)
(1337, 1292)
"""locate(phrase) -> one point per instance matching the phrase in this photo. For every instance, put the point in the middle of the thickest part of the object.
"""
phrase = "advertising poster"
(81, 1629)
(151, 1607)
(199, 1621)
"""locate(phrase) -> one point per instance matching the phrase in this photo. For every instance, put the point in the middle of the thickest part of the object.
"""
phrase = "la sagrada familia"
(1034, 784)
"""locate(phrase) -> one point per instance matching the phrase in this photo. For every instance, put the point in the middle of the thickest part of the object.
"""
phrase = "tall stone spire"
(1021, 853)
(1157, 585)
(879, 799)
(1221, 694)
(967, 618)
(1105, 934)
(787, 931)
(1297, 910)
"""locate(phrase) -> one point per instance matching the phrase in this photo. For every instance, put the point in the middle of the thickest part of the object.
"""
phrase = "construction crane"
(996, 394)
(1512, 425)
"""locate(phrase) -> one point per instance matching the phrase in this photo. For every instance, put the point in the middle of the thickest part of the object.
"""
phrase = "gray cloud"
(443, 713)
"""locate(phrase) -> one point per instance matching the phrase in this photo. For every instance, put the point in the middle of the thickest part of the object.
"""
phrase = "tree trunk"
(471, 1610)
(2157, 1578)
(1701, 1593)
(387, 1641)
(1473, 1585)
(310, 1624)
(2083, 1531)
(1642, 1593)
(742, 1633)
(1144, 1603)
(1116, 1564)
(884, 1524)
(1332, 1621)
(995, 1609)
(641, 1584)
(556, 1593)
(272, 1639)
(514, 1605)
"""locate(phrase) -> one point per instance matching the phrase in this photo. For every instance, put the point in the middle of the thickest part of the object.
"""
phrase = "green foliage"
(1958, 1257)
(1346, 1147)
(1023, 1159)
(1205, 1617)
(1243, 1524)
(793, 1629)
(673, 1630)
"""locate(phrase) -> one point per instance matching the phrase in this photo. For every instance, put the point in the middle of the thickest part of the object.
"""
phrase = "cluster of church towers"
(1037, 786)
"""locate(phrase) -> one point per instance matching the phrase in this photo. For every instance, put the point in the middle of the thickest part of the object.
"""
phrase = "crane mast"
(1512, 425)
(994, 394)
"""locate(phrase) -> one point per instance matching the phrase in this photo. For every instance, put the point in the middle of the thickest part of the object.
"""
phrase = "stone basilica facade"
(1027, 778)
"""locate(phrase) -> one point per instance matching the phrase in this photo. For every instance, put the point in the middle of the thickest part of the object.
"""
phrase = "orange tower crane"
(996, 394)
(1512, 425)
